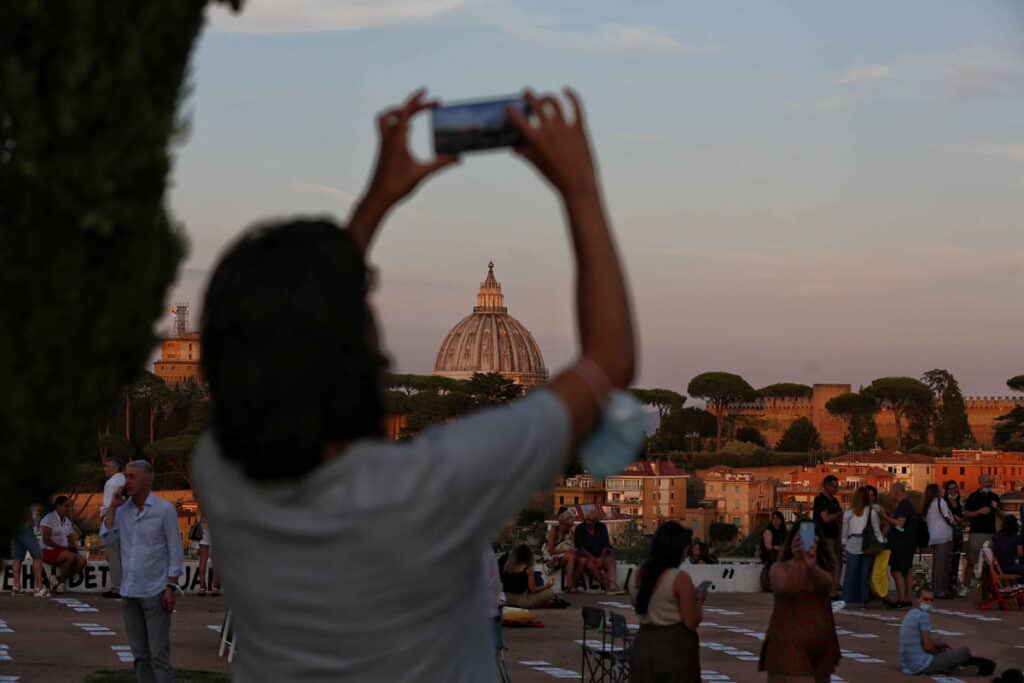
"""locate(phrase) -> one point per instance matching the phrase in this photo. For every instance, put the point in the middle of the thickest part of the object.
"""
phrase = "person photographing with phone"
(152, 559)
(801, 643)
(669, 608)
(316, 481)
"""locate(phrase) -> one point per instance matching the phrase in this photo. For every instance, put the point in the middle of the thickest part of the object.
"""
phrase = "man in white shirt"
(346, 556)
(112, 549)
(60, 541)
(154, 559)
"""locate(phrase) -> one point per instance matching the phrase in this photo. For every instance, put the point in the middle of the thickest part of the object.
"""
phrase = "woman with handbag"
(860, 539)
(940, 537)
(956, 511)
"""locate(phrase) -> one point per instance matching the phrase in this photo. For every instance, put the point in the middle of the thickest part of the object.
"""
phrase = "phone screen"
(468, 126)
(807, 533)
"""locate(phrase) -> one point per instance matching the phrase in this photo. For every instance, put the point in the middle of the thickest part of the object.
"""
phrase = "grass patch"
(180, 676)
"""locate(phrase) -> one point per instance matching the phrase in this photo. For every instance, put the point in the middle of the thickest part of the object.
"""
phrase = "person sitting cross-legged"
(520, 582)
(923, 653)
(594, 551)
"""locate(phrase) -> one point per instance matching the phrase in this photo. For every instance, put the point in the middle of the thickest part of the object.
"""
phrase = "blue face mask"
(925, 607)
(618, 439)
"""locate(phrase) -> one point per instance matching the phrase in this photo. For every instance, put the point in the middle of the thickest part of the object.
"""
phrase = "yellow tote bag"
(880, 574)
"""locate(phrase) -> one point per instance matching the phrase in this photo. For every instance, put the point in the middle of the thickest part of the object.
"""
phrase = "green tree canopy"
(951, 427)
(903, 395)
(89, 95)
(785, 390)
(665, 400)
(751, 435)
(490, 388)
(674, 432)
(859, 410)
(1009, 427)
(1016, 383)
(800, 437)
(720, 390)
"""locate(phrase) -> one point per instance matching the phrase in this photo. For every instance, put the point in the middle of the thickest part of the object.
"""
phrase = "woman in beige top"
(667, 649)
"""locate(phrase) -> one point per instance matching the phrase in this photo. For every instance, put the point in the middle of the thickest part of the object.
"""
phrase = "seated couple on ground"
(587, 550)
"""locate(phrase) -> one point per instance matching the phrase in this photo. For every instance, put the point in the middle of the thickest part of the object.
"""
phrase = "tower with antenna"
(180, 312)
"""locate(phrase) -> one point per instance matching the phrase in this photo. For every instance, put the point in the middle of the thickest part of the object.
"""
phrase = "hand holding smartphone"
(478, 125)
(807, 534)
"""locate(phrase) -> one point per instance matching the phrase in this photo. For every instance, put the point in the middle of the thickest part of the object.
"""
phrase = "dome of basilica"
(490, 340)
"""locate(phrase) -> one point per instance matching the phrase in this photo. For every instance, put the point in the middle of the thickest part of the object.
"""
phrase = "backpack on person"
(195, 532)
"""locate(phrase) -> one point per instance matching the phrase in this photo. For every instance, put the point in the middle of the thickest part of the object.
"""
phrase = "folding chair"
(595, 664)
(1003, 589)
(227, 637)
(621, 642)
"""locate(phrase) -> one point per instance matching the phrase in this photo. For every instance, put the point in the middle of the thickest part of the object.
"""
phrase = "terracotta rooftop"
(883, 458)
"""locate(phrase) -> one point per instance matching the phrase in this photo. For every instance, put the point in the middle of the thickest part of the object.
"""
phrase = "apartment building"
(741, 497)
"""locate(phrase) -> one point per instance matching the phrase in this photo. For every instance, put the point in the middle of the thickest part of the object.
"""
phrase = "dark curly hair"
(290, 347)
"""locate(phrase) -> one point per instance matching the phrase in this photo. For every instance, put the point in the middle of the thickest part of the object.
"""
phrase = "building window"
(961, 472)
(736, 521)
(737, 489)
(963, 486)
(903, 471)
(736, 505)
(561, 500)
(944, 470)
(711, 488)
(575, 500)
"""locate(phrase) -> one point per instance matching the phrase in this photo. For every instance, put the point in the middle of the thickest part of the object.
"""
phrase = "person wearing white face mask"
(981, 509)
(923, 653)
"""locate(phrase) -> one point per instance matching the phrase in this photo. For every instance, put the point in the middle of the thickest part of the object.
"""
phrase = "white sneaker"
(43, 592)
(59, 588)
(838, 605)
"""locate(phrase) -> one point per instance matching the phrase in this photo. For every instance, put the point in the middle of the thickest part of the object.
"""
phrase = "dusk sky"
(802, 191)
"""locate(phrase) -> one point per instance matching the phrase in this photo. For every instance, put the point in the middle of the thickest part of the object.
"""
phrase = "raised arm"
(560, 150)
(397, 172)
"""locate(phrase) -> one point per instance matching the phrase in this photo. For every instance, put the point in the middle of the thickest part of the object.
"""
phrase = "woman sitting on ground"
(520, 583)
(560, 548)
(801, 642)
(667, 649)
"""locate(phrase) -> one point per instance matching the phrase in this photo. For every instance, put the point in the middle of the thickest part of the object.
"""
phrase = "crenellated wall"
(773, 415)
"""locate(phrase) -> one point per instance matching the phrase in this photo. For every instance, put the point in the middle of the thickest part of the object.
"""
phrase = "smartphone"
(807, 533)
(471, 126)
(704, 587)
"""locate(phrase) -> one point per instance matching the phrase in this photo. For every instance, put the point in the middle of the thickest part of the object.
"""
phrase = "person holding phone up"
(667, 648)
(801, 643)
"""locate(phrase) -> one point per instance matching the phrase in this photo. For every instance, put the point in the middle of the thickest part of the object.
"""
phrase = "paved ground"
(47, 640)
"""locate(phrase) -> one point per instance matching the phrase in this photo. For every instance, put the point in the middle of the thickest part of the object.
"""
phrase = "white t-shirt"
(939, 531)
(369, 567)
(59, 531)
(853, 529)
(115, 482)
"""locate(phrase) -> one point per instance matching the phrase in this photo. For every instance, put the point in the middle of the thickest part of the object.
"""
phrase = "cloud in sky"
(984, 76)
(823, 104)
(324, 190)
(861, 74)
(311, 16)
(1004, 151)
